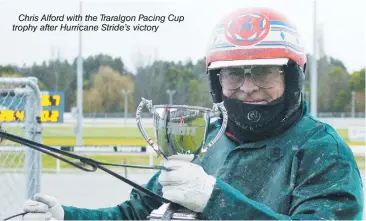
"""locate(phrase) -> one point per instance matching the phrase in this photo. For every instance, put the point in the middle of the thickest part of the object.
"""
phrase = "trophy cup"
(180, 129)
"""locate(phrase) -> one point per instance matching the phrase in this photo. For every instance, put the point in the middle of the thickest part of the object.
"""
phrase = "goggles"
(232, 78)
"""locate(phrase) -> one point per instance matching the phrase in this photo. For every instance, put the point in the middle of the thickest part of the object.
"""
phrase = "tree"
(357, 81)
(92, 101)
(332, 79)
(11, 74)
(106, 93)
(199, 94)
(336, 62)
(7, 69)
(357, 84)
(149, 83)
(188, 80)
(193, 93)
(55, 75)
(199, 69)
(92, 64)
(338, 90)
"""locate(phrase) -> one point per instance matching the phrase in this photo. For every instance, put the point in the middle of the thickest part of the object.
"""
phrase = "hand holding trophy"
(180, 130)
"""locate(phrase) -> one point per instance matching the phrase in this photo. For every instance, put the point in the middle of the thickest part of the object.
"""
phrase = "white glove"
(43, 207)
(187, 184)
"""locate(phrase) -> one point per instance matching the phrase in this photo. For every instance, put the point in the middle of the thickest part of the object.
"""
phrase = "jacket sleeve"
(138, 207)
(330, 189)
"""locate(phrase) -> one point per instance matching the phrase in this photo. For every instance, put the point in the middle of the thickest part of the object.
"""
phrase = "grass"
(92, 136)
(17, 160)
(343, 133)
(107, 132)
(360, 160)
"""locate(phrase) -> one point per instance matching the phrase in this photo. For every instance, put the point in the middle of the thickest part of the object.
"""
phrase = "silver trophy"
(180, 129)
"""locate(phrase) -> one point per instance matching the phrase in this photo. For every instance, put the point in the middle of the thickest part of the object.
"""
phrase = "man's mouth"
(255, 102)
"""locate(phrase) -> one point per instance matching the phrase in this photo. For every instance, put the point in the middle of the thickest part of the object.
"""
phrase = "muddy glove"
(43, 207)
(187, 184)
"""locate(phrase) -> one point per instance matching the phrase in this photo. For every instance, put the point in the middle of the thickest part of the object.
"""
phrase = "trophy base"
(172, 212)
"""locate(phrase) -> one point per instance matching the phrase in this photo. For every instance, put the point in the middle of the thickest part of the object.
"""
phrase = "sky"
(344, 30)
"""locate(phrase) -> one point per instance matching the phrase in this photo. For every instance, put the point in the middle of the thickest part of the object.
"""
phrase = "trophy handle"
(216, 107)
(148, 104)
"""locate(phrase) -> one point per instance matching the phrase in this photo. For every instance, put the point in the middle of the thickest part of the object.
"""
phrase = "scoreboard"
(53, 107)
(52, 102)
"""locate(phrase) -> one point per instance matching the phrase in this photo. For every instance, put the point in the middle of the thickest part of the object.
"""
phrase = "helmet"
(252, 36)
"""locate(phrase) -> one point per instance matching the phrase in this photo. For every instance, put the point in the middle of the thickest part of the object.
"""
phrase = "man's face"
(255, 85)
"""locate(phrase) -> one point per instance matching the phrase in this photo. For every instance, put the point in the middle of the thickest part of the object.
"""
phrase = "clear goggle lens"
(263, 76)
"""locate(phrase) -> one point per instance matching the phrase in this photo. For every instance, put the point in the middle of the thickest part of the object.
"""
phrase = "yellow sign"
(11, 115)
(51, 100)
(50, 116)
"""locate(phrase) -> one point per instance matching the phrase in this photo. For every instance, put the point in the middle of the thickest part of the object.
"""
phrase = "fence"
(20, 166)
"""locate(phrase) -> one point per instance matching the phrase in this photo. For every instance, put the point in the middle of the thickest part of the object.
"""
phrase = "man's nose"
(248, 85)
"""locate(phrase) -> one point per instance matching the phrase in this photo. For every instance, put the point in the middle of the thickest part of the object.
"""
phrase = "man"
(275, 160)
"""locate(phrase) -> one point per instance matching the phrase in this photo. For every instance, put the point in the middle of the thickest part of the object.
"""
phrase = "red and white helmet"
(254, 36)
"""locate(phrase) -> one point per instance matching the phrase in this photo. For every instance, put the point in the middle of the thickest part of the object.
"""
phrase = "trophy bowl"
(181, 129)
